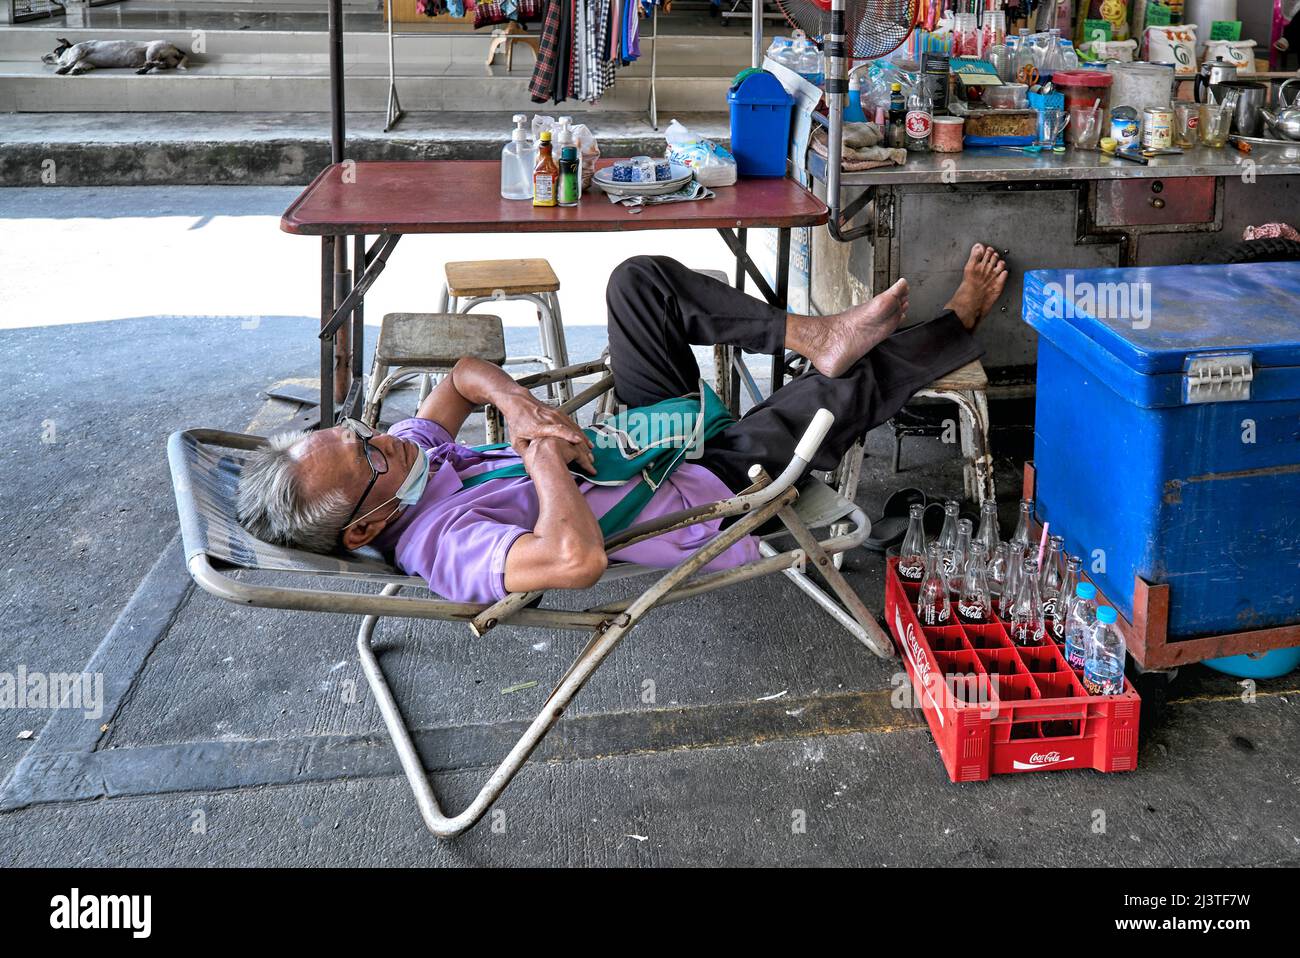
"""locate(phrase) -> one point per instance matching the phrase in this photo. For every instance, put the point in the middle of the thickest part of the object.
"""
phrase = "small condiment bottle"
(568, 190)
(546, 174)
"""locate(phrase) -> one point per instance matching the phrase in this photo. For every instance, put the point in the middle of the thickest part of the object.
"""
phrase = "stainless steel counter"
(984, 165)
(1072, 210)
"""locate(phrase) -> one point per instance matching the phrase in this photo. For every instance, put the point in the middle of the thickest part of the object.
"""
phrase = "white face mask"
(409, 492)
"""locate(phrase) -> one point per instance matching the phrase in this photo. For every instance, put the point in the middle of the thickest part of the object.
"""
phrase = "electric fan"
(873, 28)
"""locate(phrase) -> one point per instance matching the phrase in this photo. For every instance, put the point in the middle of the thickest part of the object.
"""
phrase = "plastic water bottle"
(1069, 57)
(1082, 620)
(1103, 664)
(779, 50)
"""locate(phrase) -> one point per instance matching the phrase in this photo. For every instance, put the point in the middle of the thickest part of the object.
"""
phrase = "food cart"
(1078, 209)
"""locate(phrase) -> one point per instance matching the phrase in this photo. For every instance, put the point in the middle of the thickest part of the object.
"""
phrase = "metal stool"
(968, 388)
(429, 344)
(473, 282)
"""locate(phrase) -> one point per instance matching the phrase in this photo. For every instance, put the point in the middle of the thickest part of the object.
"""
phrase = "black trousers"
(659, 308)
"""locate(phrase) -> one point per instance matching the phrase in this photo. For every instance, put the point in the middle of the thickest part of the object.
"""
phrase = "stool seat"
(967, 387)
(483, 277)
(963, 379)
(439, 339)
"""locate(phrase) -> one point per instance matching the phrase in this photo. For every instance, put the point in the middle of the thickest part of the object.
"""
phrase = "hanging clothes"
(581, 45)
(546, 70)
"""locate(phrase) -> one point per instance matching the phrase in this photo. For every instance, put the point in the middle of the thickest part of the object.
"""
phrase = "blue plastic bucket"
(760, 125)
(1271, 665)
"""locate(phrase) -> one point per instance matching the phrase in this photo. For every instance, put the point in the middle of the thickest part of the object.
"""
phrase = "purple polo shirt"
(457, 538)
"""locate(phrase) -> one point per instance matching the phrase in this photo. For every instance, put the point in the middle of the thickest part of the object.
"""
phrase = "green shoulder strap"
(649, 442)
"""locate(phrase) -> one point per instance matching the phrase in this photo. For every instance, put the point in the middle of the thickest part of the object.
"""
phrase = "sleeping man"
(411, 494)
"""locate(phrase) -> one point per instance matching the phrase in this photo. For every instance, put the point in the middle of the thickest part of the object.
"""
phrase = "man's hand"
(536, 452)
(529, 420)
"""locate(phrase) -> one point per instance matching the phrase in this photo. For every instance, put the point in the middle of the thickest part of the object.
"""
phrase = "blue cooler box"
(1167, 434)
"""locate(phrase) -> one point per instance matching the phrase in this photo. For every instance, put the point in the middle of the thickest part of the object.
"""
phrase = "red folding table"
(387, 200)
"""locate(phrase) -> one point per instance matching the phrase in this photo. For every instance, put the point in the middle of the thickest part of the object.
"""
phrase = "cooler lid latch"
(1225, 377)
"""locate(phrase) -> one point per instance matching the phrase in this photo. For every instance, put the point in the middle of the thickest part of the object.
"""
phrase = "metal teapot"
(1286, 120)
(1211, 75)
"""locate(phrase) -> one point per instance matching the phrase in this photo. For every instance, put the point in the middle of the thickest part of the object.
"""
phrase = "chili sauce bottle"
(546, 175)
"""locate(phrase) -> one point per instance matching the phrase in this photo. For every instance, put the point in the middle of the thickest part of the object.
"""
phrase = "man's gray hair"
(274, 507)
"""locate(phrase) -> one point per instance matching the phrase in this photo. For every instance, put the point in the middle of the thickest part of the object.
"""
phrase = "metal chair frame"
(765, 499)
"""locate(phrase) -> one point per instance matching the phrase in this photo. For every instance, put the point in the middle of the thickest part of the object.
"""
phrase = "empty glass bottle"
(974, 604)
(1103, 665)
(911, 561)
(990, 534)
(1082, 620)
(1023, 523)
(948, 534)
(1026, 624)
(954, 563)
(1011, 585)
(1024, 54)
(1069, 580)
(999, 559)
(1049, 578)
(932, 605)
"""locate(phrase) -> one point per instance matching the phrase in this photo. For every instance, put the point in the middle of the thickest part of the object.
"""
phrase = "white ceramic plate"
(604, 178)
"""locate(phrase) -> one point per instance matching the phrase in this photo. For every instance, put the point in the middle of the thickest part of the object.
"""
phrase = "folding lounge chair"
(205, 466)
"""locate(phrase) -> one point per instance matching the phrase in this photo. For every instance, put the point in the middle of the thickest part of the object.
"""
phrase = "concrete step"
(727, 53)
(264, 149)
(257, 87)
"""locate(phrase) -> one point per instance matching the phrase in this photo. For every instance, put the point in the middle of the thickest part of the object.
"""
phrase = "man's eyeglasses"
(375, 459)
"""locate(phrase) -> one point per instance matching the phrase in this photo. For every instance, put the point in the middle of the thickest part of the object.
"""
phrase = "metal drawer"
(1175, 201)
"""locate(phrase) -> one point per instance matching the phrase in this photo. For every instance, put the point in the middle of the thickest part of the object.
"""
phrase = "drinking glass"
(1187, 121)
(1085, 127)
(1051, 124)
(1214, 124)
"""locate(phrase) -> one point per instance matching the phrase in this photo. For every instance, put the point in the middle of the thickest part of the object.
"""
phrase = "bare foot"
(982, 282)
(837, 342)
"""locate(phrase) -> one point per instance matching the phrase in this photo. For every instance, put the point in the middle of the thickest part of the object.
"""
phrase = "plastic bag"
(1174, 44)
(583, 138)
(713, 165)
(1121, 51)
(1240, 53)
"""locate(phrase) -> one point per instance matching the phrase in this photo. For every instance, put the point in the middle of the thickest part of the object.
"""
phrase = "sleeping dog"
(139, 55)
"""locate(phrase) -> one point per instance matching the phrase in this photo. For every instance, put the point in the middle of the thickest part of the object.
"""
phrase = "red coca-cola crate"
(995, 708)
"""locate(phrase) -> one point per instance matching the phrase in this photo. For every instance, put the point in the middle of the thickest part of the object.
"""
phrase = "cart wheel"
(1268, 250)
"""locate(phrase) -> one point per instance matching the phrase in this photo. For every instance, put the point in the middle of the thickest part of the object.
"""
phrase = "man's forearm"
(483, 383)
(563, 516)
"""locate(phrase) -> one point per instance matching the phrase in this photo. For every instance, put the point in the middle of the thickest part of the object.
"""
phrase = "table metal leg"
(782, 300)
(327, 338)
(343, 335)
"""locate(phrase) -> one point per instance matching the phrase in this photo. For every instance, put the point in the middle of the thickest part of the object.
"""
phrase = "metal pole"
(342, 352)
(336, 80)
(756, 28)
(836, 88)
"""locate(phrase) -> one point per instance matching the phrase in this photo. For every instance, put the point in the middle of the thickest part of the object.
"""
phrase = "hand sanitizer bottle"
(517, 163)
